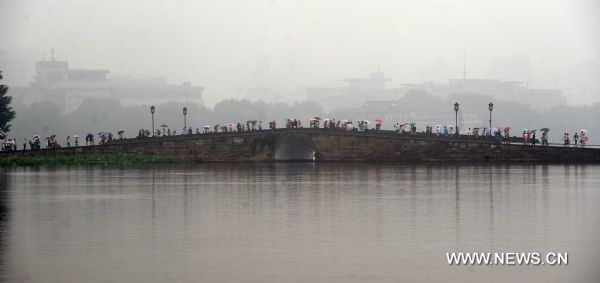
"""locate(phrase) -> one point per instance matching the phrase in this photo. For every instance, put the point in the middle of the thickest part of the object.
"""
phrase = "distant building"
(67, 88)
(501, 90)
(354, 93)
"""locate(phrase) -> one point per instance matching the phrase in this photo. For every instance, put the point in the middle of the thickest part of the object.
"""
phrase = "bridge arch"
(295, 148)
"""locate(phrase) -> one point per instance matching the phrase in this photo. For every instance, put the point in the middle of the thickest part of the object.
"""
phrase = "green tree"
(6, 112)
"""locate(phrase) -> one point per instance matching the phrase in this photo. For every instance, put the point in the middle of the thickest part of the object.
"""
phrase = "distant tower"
(465, 65)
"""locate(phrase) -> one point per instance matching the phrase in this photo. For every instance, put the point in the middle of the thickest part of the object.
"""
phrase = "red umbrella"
(378, 121)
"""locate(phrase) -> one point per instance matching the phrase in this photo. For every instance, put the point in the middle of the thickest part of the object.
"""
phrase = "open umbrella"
(403, 123)
(326, 119)
(164, 126)
(366, 121)
(533, 131)
(75, 136)
(317, 118)
(120, 132)
(207, 127)
(544, 129)
(438, 126)
(349, 127)
(413, 123)
(585, 131)
(378, 121)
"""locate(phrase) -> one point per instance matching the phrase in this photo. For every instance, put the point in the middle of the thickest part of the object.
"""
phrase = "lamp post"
(184, 118)
(152, 110)
(456, 116)
(491, 107)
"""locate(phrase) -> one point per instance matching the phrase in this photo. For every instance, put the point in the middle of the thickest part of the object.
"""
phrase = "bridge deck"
(332, 145)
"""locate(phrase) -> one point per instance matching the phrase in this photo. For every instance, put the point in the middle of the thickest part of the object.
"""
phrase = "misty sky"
(228, 46)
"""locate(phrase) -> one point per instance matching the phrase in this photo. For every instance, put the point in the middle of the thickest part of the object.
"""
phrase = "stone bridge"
(330, 145)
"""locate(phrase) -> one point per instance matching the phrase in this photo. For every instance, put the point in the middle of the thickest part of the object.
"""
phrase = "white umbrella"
(349, 127)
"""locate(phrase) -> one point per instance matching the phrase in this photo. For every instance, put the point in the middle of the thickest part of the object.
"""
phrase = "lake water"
(298, 222)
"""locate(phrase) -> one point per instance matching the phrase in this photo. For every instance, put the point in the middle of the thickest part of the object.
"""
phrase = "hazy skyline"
(229, 46)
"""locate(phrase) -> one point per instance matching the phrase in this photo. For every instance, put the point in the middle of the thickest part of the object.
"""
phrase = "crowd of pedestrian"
(529, 137)
(578, 139)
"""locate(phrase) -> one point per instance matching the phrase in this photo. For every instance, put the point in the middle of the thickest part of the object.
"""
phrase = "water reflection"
(4, 216)
(291, 222)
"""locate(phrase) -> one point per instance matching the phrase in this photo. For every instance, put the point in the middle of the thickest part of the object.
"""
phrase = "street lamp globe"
(491, 106)
(184, 110)
(456, 106)
(152, 109)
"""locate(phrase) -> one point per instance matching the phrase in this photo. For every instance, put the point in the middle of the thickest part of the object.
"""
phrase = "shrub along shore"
(84, 159)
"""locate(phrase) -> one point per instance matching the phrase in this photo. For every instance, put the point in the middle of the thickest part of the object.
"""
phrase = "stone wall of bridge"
(329, 145)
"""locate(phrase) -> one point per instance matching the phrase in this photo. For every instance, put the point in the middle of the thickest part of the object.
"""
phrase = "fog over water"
(231, 46)
(77, 67)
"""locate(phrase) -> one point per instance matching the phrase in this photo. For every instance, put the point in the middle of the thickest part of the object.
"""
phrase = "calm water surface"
(298, 222)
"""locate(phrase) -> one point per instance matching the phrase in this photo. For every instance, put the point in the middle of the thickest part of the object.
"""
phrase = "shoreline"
(109, 159)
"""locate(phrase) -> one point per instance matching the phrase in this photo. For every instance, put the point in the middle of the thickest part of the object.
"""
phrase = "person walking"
(68, 141)
(545, 138)
(575, 139)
